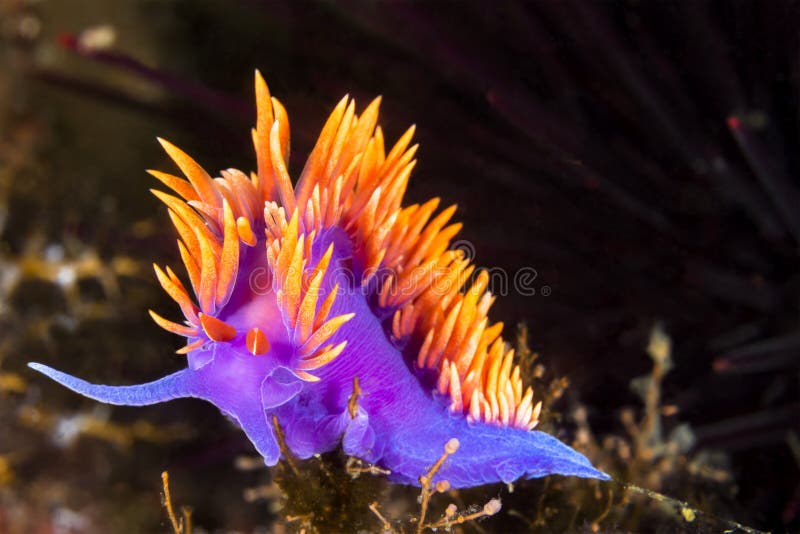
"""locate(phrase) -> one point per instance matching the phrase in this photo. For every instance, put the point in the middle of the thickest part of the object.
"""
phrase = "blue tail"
(487, 453)
(174, 386)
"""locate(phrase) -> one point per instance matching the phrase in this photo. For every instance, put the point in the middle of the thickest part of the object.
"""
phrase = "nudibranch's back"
(302, 292)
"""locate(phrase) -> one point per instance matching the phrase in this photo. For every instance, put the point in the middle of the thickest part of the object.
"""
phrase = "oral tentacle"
(175, 386)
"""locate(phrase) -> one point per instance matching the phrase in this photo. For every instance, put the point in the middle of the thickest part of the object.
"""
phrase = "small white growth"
(10, 275)
(452, 446)
(66, 276)
(66, 521)
(68, 429)
(492, 507)
(100, 37)
(67, 322)
(54, 253)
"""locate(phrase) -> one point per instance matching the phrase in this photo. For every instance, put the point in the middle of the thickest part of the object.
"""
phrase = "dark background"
(640, 156)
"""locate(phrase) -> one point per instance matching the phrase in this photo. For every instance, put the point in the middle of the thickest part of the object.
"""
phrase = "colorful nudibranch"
(305, 293)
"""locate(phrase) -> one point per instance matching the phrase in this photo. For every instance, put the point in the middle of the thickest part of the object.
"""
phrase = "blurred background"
(639, 158)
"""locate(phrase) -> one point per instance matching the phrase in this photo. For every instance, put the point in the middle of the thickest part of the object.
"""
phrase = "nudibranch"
(342, 313)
